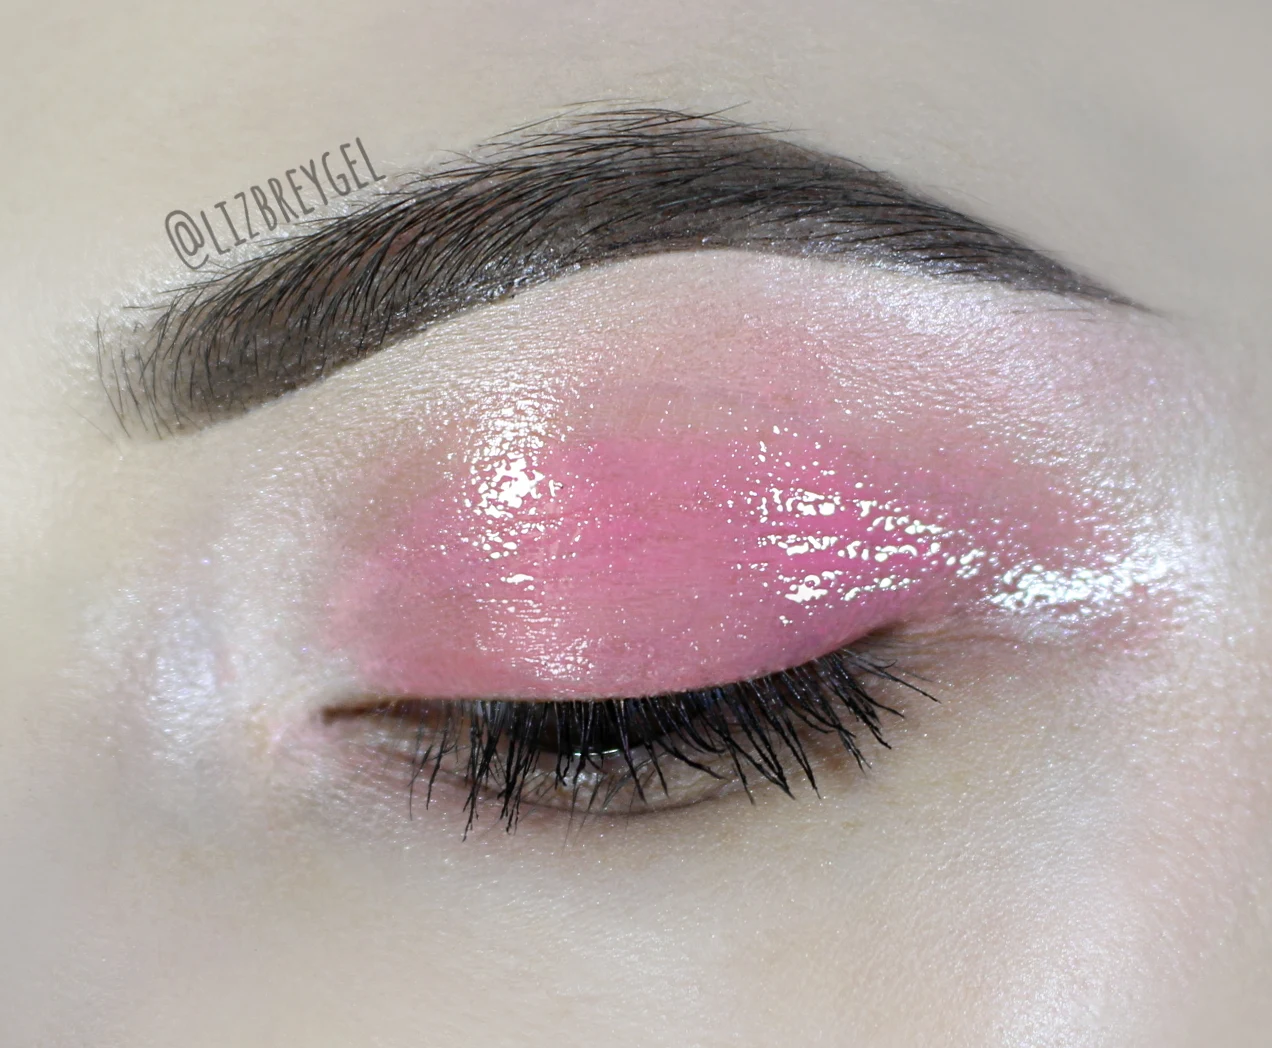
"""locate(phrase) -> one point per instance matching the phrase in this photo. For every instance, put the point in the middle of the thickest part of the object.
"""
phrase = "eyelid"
(653, 563)
(603, 187)
(511, 534)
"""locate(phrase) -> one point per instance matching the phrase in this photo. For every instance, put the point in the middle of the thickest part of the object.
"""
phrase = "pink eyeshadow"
(622, 566)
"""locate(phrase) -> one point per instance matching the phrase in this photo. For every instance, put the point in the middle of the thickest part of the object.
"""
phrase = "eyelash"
(584, 755)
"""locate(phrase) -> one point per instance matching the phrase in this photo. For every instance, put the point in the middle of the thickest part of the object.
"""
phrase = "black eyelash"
(756, 727)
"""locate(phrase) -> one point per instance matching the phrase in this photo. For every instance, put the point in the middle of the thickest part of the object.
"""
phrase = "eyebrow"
(541, 201)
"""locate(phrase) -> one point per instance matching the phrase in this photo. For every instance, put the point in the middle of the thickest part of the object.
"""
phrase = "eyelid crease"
(546, 199)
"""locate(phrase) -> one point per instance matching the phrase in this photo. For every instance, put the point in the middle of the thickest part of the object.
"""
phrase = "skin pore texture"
(1069, 847)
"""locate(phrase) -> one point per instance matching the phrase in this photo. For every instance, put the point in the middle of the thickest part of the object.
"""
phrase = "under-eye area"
(624, 756)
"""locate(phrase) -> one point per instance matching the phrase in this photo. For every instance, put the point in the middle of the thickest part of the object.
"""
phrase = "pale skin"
(1071, 849)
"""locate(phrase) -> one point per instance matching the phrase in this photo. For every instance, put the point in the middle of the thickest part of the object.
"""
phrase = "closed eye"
(633, 755)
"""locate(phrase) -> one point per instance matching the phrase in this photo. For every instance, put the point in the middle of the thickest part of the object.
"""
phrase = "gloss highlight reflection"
(629, 566)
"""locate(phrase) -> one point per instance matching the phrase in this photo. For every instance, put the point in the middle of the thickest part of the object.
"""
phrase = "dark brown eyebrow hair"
(544, 200)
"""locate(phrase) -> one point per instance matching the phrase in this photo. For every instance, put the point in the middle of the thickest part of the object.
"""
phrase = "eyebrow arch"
(546, 199)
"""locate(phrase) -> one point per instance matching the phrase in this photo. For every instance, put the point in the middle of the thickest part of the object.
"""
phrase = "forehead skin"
(1129, 139)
